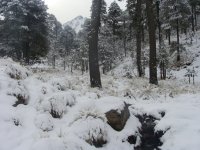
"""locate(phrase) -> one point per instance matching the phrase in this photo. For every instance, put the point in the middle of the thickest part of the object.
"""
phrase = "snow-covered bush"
(90, 125)
(58, 103)
(18, 90)
(61, 84)
(44, 90)
(13, 70)
(16, 121)
(44, 122)
(16, 71)
(40, 66)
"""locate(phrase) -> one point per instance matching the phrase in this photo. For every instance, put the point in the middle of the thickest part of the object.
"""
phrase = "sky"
(66, 10)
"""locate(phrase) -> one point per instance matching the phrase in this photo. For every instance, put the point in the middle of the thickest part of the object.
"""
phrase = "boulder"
(117, 119)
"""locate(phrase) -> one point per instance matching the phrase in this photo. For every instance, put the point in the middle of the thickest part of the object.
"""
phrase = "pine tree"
(11, 28)
(110, 36)
(84, 47)
(54, 35)
(138, 36)
(95, 78)
(35, 37)
(194, 4)
(25, 27)
(175, 14)
(136, 12)
(107, 50)
(114, 13)
(125, 29)
(152, 41)
(67, 38)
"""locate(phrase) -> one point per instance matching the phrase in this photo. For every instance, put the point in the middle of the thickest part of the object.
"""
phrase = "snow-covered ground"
(82, 110)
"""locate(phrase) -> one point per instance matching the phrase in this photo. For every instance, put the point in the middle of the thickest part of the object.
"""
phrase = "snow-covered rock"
(117, 119)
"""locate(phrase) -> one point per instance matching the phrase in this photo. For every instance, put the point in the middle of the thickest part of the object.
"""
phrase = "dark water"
(150, 140)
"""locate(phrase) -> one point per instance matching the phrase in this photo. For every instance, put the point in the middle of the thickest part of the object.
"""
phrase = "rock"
(117, 120)
(132, 139)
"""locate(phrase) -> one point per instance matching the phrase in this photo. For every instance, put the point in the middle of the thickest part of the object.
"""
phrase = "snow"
(82, 109)
(44, 122)
(76, 23)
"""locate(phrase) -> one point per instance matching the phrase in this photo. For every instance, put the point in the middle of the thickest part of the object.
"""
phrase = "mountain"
(76, 23)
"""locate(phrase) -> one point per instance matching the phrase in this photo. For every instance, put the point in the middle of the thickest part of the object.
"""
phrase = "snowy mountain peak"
(76, 23)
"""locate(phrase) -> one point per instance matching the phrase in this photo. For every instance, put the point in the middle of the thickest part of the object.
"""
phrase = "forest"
(119, 79)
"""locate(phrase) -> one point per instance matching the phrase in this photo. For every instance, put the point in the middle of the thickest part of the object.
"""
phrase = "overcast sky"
(66, 10)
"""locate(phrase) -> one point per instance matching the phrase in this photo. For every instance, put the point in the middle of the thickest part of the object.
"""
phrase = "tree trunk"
(114, 27)
(159, 23)
(178, 42)
(124, 37)
(54, 62)
(86, 66)
(193, 19)
(64, 65)
(169, 36)
(71, 67)
(143, 34)
(95, 79)
(195, 16)
(139, 36)
(27, 52)
(152, 42)
(82, 66)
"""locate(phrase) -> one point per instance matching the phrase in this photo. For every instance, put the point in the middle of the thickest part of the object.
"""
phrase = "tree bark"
(193, 19)
(178, 41)
(169, 36)
(27, 52)
(143, 34)
(195, 16)
(159, 23)
(139, 36)
(152, 42)
(95, 79)
(124, 37)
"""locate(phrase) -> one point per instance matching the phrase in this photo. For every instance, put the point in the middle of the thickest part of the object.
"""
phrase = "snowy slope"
(191, 55)
(76, 23)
